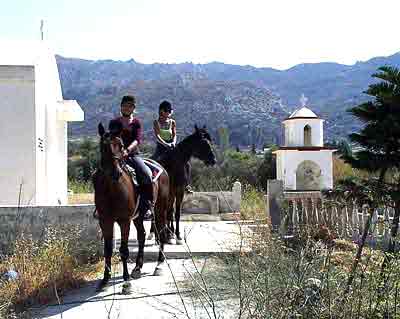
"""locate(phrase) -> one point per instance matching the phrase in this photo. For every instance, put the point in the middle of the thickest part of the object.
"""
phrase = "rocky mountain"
(251, 102)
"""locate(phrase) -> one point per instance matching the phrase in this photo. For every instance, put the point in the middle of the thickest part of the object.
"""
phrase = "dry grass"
(57, 263)
(252, 206)
(298, 278)
(81, 198)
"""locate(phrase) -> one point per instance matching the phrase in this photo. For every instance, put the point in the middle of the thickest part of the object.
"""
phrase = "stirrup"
(189, 190)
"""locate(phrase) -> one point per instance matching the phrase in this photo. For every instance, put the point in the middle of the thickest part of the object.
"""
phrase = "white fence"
(344, 220)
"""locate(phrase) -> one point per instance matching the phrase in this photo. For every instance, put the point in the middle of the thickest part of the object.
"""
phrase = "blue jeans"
(144, 178)
(143, 172)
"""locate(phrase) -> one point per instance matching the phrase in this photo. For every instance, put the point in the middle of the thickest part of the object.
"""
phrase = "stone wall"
(213, 202)
(34, 220)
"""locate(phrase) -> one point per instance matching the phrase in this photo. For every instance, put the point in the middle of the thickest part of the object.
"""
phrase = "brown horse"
(196, 145)
(115, 198)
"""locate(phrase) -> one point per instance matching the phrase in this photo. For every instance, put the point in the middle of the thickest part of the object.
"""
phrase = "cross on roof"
(303, 100)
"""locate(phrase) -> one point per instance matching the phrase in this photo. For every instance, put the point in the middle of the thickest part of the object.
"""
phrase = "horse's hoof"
(136, 273)
(150, 236)
(126, 288)
(158, 271)
(179, 241)
(170, 239)
(102, 285)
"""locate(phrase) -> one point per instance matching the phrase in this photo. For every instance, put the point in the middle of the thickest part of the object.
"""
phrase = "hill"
(251, 102)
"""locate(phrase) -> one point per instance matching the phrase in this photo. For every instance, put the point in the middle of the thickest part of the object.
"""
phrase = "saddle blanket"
(155, 168)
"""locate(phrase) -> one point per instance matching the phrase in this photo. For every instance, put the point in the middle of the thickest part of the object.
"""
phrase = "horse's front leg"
(170, 215)
(124, 253)
(141, 237)
(161, 228)
(107, 231)
(178, 204)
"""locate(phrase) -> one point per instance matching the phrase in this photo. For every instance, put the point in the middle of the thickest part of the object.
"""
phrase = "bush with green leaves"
(83, 159)
(245, 167)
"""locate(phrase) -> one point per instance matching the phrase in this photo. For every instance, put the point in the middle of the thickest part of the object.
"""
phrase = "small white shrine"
(303, 163)
(33, 126)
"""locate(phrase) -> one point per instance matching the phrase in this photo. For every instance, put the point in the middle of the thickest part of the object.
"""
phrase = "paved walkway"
(154, 296)
(151, 297)
(202, 238)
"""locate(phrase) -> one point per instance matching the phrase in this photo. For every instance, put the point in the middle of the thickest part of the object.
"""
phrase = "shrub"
(253, 203)
(308, 280)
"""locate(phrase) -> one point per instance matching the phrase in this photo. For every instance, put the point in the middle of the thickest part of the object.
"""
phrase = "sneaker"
(188, 189)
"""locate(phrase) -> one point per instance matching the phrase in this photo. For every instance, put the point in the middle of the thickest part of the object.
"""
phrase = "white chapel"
(33, 126)
(303, 163)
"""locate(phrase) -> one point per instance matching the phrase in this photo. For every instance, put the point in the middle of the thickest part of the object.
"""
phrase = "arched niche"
(307, 135)
(308, 176)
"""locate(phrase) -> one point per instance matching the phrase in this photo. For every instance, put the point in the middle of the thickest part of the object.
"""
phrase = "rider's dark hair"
(165, 106)
(128, 99)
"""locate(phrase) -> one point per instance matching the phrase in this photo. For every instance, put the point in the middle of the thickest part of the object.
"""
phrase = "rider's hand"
(125, 154)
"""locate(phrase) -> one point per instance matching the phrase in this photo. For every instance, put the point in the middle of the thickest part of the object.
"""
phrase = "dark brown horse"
(197, 145)
(116, 198)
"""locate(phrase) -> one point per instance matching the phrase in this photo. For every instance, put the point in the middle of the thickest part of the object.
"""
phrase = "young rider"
(131, 137)
(165, 131)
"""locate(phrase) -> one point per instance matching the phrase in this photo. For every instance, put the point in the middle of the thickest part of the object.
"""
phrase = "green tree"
(83, 161)
(380, 137)
(379, 140)
(267, 168)
(344, 149)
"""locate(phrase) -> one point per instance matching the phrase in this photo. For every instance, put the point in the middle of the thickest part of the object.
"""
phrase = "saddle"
(156, 171)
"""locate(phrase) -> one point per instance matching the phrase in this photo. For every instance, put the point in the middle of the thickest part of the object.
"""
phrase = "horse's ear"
(204, 126)
(101, 129)
(196, 128)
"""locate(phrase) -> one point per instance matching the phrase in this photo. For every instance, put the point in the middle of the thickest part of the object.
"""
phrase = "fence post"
(236, 196)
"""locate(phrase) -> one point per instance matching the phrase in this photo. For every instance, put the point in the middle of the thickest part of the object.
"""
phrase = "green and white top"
(166, 130)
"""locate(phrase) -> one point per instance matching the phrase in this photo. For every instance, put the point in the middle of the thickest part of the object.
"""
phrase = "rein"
(114, 157)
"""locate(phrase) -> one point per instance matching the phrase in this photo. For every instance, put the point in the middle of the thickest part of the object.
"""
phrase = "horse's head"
(202, 146)
(110, 145)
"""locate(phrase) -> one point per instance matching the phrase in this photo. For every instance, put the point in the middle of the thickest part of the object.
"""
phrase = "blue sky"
(279, 33)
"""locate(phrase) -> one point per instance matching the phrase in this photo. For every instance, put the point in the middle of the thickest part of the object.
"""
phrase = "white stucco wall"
(33, 130)
(294, 131)
(17, 135)
(289, 160)
(52, 185)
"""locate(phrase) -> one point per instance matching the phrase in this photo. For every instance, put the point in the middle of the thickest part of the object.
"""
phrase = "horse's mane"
(200, 133)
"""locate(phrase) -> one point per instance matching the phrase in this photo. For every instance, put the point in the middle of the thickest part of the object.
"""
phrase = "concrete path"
(155, 296)
(200, 238)
(151, 297)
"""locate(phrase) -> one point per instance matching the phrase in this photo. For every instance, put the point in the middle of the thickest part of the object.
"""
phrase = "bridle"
(111, 142)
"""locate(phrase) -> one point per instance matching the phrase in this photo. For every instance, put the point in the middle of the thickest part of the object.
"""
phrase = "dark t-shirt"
(132, 130)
